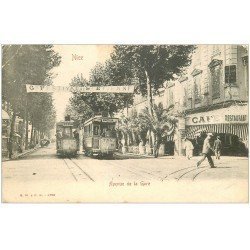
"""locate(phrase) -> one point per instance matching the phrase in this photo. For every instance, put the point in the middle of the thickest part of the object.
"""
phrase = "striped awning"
(241, 130)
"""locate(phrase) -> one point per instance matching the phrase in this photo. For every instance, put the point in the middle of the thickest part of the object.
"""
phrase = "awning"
(241, 130)
(5, 115)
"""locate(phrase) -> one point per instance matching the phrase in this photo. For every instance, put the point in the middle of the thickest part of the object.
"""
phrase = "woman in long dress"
(189, 148)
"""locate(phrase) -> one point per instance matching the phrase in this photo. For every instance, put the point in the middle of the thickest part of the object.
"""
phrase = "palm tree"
(129, 128)
(161, 123)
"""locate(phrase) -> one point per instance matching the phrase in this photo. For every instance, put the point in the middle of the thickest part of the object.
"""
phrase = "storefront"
(230, 123)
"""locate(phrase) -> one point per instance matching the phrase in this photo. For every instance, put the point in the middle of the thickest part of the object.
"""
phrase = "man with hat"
(206, 152)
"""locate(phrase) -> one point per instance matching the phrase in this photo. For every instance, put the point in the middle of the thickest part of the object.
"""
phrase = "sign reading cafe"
(99, 89)
(231, 115)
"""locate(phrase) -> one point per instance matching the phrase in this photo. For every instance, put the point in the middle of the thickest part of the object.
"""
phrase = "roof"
(65, 123)
(5, 115)
(100, 119)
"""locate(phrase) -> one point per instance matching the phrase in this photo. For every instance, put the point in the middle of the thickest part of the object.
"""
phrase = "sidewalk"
(193, 159)
(19, 155)
(132, 155)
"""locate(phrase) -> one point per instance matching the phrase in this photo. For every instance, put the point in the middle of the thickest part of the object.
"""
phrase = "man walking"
(217, 147)
(206, 152)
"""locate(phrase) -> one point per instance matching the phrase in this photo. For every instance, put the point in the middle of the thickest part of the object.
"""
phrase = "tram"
(66, 142)
(99, 136)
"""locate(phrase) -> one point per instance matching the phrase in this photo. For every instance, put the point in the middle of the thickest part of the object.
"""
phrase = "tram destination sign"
(98, 89)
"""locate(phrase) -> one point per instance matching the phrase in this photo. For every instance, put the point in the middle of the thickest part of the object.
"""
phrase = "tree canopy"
(29, 64)
(152, 65)
(87, 104)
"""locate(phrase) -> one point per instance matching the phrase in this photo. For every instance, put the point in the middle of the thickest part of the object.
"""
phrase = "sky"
(69, 67)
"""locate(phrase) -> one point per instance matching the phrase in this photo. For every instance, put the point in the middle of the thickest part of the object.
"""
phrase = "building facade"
(215, 95)
(212, 96)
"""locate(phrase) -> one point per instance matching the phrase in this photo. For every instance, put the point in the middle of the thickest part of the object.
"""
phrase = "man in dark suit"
(207, 152)
(217, 147)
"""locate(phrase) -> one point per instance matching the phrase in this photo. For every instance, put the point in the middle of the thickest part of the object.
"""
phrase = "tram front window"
(96, 130)
(67, 133)
(108, 131)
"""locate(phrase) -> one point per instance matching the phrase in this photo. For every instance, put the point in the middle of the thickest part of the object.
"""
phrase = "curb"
(21, 155)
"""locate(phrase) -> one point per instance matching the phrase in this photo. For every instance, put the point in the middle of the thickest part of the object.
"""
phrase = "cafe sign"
(231, 115)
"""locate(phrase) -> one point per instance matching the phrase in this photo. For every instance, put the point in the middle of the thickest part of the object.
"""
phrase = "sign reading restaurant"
(99, 89)
(235, 118)
(233, 114)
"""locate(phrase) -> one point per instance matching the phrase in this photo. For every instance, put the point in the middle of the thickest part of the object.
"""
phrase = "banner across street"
(99, 89)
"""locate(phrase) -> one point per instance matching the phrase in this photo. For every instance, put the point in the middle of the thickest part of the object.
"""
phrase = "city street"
(44, 176)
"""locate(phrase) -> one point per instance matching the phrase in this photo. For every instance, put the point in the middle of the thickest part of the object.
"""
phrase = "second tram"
(99, 136)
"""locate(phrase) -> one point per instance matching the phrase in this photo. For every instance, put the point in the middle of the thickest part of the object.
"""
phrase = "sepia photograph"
(149, 123)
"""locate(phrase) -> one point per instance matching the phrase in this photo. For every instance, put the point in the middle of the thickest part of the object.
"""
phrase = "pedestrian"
(207, 152)
(141, 148)
(217, 147)
(119, 144)
(58, 139)
(189, 148)
(148, 148)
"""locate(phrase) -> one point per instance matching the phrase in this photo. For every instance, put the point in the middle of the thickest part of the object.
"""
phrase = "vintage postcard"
(125, 123)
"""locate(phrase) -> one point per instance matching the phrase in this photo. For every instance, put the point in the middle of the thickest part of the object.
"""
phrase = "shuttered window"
(216, 79)
(197, 88)
(230, 74)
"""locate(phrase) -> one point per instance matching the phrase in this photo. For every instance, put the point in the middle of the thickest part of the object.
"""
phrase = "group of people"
(207, 149)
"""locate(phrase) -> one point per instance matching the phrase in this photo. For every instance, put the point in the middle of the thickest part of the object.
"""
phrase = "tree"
(91, 103)
(151, 64)
(25, 64)
(77, 106)
(161, 124)
(132, 128)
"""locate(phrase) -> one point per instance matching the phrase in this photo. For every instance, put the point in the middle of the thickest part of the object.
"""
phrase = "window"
(189, 91)
(67, 133)
(230, 74)
(216, 78)
(197, 88)
(90, 129)
(96, 130)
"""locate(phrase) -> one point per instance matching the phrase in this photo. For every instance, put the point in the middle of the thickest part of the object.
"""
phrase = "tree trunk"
(12, 131)
(149, 95)
(26, 128)
(35, 136)
(39, 136)
(22, 135)
(149, 102)
(32, 134)
(157, 144)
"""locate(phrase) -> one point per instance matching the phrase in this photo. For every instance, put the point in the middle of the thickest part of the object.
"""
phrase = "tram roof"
(65, 123)
(100, 119)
